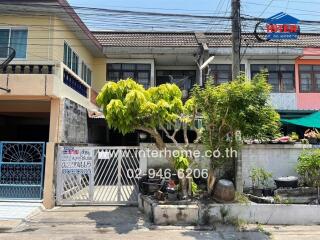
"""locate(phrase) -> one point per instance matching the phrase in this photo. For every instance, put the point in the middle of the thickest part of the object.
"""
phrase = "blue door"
(21, 170)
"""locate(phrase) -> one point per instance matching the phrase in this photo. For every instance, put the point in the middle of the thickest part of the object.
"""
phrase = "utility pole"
(236, 38)
(236, 43)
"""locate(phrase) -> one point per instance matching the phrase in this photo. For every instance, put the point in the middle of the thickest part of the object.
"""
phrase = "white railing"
(73, 81)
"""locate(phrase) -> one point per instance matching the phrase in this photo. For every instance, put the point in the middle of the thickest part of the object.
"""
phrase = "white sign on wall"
(76, 160)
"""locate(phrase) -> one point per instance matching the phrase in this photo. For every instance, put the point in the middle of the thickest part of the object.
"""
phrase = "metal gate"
(21, 170)
(97, 175)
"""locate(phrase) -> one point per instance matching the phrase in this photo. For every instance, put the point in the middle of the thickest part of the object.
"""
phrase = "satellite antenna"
(11, 53)
(260, 33)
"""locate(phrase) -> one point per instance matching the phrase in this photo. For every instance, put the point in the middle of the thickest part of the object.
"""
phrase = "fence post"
(1, 146)
(49, 186)
(119, 174)
(95, 153)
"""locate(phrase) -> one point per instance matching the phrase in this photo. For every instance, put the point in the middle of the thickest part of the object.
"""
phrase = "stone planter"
(196, 213)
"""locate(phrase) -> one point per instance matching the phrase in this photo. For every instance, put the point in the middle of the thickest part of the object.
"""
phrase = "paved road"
(87, 223)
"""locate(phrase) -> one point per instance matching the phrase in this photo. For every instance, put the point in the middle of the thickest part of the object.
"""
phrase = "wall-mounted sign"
(282, 26)
(76, 160)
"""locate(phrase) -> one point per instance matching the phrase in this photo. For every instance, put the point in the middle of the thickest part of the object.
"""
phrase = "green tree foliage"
(127, 107)
(309, 167)
(240, 106)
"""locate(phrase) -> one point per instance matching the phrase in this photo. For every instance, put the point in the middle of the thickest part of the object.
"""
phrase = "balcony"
(27, 69)
(43, 82)
(74, 82)
(26, 80)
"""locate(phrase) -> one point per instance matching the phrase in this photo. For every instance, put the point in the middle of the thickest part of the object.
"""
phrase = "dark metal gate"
(21, 170)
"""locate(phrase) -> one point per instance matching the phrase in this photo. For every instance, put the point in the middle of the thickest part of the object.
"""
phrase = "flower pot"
(286, 182)
(257, 192)
(267, 192)
(313, 140)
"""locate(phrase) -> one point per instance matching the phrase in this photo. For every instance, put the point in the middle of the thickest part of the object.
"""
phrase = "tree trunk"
(184, 184)
(211, 181)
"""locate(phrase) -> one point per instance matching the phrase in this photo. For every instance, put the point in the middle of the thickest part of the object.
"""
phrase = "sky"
(301, 9)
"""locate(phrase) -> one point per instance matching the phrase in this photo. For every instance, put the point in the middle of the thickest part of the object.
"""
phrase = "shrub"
(309, 167)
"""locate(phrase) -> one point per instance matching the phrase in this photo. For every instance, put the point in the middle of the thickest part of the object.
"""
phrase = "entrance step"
(19, 210)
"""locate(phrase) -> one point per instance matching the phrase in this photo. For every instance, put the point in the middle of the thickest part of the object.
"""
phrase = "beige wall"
(39, 43)
(46, 36)
(97, 65)
(63, 33)
(99, 73)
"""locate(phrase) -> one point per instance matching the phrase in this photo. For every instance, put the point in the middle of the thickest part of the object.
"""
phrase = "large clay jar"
(224, 191)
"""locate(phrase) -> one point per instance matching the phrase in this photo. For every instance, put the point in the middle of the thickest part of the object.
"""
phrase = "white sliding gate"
(97, 175)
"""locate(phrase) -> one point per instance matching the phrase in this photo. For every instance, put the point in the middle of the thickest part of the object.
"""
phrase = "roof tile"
(189, 39)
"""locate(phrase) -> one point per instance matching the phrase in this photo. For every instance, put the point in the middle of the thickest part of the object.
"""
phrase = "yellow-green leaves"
(127, 105)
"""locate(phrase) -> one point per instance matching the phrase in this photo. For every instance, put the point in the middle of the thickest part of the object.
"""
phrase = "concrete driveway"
(87, 223)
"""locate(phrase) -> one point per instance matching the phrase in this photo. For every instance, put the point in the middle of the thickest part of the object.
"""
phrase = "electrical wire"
(265, 9)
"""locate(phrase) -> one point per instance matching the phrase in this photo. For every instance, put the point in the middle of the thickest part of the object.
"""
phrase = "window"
(185, 79)
(309, 78)
(14, 38)
(86, 73)
(139, 72)
(222, 73)
(280, 76)
(70, 58)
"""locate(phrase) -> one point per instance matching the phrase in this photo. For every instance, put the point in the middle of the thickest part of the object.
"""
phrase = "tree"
(234, 110)
(128, 107)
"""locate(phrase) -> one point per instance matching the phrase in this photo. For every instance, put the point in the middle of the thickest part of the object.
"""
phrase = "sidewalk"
(13, 213)
(88, 223)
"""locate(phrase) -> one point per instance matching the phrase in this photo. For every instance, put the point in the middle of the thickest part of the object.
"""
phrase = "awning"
(95, 114)
(311, 121)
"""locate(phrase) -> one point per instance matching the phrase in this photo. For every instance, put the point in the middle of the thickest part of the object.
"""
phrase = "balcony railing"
(75, 82)
(27, 69)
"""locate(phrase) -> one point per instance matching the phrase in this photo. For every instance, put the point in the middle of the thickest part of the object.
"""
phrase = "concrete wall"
(208, 214)
(74, 123)
(279, 159)
(284, 101)
(295, 214)
(37, 84)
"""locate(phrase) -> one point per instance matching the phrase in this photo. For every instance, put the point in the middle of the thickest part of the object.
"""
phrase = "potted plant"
(294, 137)
(255, 179)
(312, 135)
(265, 179)
(308, 168)
(260, 179)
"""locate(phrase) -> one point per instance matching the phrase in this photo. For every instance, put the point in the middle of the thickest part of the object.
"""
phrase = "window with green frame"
(15, 38)
(71, 58)
(86, 73)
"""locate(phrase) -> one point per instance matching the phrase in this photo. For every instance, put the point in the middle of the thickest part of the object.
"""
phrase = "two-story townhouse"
(46, 91)
(153, 58)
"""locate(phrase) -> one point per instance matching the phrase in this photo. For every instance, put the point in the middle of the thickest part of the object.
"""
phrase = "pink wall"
(307, 101)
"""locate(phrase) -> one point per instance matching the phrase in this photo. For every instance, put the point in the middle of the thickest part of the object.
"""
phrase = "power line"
(268, 5)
